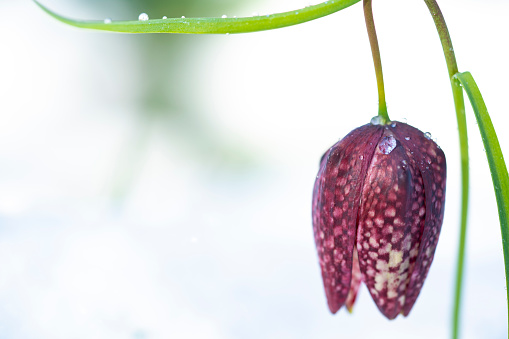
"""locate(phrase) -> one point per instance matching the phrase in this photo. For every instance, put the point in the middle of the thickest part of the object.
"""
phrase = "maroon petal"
(391, 221)
(430, 159)
(355, 283)
(335, 208)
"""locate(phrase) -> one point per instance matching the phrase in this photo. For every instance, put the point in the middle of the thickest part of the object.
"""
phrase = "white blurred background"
(159, 186)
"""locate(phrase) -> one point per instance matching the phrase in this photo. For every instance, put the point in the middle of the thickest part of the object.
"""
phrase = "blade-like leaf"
(495, 159)
(212, 25)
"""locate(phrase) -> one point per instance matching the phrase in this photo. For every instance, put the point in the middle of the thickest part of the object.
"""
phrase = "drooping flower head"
(378, 206)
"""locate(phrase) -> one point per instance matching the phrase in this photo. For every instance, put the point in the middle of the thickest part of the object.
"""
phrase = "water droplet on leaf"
(143, 17)
(107, 21)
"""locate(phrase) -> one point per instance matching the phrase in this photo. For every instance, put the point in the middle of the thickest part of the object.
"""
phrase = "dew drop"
(427, 135)
(183, 17)
(165, 17)
(393, 124)
(407, 138)
(387, 144)
(227, 33)
(376, 120)
(143, 17)
(107, 21)
(224, 16)
(361, 157)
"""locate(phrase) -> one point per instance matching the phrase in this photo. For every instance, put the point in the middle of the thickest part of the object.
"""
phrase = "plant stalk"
(459, 104)
(375, 50)
(495, 158)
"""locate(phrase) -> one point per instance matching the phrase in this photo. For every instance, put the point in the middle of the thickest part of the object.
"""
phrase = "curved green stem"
(459, 104)
(496, 161)
(377, 60)
(212, 25)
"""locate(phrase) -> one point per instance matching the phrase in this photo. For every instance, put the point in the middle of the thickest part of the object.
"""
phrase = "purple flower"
(378, 206)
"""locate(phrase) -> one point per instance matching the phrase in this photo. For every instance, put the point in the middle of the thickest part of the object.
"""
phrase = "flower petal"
(430, 160)
(355, 283)
(391, 220)
(336, 199)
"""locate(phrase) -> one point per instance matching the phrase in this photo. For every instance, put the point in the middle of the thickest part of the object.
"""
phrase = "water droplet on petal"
(387, 144)
(427, 135)
(361, 157)
(143, 17)
(393, 124)
(224, 16)
(407, 138)
(376, 120)
(107, 21)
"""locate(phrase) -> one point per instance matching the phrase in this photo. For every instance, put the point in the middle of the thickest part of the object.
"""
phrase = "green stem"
(459, 104)
(496, 161)
(377, 60)
(212, 25)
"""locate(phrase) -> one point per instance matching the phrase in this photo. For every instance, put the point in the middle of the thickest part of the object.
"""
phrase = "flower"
(378, 205)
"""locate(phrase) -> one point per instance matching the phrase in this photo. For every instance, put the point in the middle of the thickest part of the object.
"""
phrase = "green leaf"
(212, 25)
(495, 160)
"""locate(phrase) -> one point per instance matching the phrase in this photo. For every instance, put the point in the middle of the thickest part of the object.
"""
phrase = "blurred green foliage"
(165, 101)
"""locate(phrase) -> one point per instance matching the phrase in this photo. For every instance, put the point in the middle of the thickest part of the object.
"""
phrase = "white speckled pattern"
(377, 212)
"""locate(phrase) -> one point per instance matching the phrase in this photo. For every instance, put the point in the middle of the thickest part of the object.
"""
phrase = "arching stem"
(459, 104)
(375, 50)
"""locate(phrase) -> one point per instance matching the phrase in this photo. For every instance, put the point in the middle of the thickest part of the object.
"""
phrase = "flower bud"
(378, 205)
